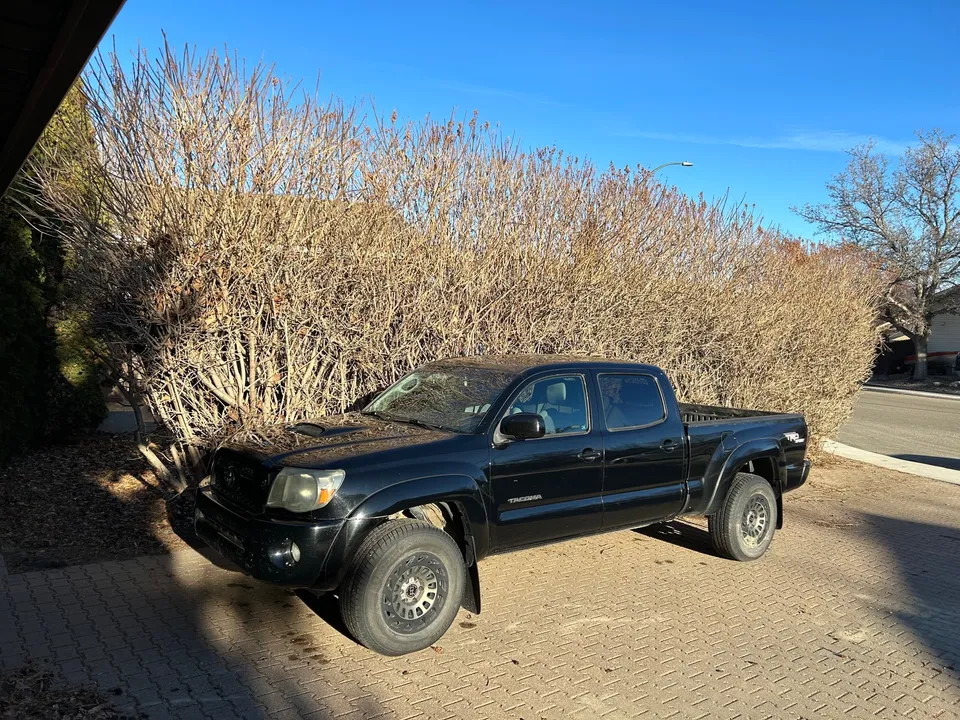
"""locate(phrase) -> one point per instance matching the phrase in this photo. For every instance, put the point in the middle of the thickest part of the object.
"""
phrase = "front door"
(551, 487)
(643, 451)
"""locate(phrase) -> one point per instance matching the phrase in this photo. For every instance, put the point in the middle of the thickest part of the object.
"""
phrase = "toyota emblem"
(229, 476)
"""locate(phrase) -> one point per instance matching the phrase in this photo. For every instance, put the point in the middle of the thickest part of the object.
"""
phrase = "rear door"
(549, 488)
(643, 440)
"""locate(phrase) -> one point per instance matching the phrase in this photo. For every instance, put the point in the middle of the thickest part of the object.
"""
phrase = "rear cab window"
(631, 400)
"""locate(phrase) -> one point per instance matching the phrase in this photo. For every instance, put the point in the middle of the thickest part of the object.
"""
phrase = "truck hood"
(338, 438)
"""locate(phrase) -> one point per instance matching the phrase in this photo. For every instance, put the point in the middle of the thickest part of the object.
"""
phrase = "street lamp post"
(685, 163)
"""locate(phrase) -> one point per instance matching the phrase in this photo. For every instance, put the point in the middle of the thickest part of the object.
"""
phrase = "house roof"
(894, 335)
(948, 293)
(44, 45)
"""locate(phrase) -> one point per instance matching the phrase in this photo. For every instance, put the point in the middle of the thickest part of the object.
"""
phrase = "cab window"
(631, 401)
(560, 401)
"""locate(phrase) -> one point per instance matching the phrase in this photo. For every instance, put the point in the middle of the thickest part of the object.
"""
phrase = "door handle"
(589, 455)
(668, 445)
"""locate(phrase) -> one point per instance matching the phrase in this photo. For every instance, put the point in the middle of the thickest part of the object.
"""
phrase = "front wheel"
(404, 589)
(744, 526)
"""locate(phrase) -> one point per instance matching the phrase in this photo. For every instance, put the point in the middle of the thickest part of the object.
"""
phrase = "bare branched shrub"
(258, 256)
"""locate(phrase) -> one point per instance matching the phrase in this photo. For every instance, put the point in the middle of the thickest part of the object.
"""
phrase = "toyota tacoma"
(393, 507)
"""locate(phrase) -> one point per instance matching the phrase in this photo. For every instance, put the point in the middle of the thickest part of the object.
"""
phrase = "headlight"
(299, 490)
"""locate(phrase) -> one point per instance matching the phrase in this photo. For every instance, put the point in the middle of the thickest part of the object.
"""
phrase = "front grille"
(240, 480)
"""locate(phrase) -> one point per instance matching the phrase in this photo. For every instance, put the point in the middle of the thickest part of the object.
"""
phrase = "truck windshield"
(449, 398)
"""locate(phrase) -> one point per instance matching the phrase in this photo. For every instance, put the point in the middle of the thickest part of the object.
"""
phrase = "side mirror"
(523, 426)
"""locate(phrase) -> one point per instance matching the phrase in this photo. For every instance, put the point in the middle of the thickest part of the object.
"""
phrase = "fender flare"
(460, 490)
(757, 449)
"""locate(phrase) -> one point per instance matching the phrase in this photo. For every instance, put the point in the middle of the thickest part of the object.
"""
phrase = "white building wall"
(945, 334)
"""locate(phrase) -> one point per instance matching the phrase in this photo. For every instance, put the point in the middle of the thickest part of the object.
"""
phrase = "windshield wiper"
(421, 423)
(409, 421)
(381, 415)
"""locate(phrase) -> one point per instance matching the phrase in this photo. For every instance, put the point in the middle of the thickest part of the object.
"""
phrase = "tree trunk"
(920, 366)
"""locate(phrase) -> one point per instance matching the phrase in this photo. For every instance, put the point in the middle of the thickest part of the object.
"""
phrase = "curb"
(905, 466)
(918, 393)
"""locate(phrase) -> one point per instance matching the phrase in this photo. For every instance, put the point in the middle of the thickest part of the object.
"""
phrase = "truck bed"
(711, 429)
(693, 414)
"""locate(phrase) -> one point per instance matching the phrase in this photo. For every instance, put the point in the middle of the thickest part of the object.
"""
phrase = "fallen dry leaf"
(103, 489)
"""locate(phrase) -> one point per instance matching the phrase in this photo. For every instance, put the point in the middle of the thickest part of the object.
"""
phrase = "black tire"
(744, 527)
(404, 588)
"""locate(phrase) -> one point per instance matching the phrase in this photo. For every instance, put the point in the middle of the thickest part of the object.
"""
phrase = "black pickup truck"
(393, 506)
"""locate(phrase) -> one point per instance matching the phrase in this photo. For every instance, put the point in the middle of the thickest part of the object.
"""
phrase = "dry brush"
(256, 256)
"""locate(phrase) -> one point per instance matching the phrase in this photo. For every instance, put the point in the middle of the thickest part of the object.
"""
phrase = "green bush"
(49, 376)
(75, 396)
(27, 352)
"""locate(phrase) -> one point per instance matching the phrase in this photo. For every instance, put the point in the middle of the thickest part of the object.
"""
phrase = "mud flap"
(471, 593)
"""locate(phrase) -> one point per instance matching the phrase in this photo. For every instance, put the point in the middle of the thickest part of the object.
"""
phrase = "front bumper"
(261, 546)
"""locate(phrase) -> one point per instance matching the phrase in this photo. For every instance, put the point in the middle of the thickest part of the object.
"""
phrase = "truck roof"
(525, 363)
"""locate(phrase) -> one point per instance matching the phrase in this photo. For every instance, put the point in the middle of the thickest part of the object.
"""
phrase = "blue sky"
(762, 96)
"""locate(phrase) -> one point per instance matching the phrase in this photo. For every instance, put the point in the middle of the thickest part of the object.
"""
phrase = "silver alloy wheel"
(755, 521)
(414, 593)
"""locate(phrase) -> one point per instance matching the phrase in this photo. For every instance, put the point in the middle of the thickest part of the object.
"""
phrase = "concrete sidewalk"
(933, 472)
(916, 393)
(121, 420)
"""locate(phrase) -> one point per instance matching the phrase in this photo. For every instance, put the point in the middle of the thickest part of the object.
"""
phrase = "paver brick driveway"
(854, 611)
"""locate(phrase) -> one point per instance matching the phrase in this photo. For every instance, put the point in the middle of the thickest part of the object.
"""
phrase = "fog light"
(286, 554)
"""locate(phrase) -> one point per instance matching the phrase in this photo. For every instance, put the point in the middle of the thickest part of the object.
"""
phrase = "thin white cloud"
(518, 95)
(811, 140)
(438, 83)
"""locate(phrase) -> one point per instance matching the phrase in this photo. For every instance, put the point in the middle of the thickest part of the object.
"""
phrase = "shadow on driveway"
(185, 635)
(928, 556)
(682, 534)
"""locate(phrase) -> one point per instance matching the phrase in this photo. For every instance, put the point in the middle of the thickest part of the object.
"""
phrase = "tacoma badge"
(525, 498)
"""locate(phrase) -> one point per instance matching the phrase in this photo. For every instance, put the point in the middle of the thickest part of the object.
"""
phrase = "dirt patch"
(835, 476)
(30, 693)
(92, 499)
(839, 490)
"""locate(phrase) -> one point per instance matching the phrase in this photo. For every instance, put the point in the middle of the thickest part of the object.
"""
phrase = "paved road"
(853, 613)
(120, 420)
(909, 427)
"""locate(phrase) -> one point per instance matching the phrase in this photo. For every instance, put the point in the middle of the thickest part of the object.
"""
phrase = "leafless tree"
(908, 215)
(260, 257)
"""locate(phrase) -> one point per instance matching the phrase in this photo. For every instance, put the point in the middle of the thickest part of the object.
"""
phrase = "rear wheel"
(404, 589)
(744, 526)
